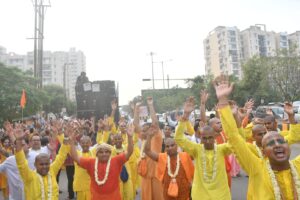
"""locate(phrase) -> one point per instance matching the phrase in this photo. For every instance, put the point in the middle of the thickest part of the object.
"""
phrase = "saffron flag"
(23, 99)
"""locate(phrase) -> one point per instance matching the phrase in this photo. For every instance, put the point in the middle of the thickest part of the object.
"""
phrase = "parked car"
(278, 111)
(296, 105)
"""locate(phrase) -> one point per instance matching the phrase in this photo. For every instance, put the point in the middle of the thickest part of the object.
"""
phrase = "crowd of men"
(114, 160)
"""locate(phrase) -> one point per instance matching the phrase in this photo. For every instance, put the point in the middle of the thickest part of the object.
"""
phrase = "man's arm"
(152, 111)
(203, 99)
(247, 159)
(147, 150)
(293, 135)
(114, 107)
(181, 140)
(25, 172)
(136, 117)
(130, 132)
(60, 158)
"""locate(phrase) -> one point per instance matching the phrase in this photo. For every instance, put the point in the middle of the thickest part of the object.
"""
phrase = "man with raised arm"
(40, 184)
(275, 178)
(104, 170)
(210, 178)
(151, 187)
(173, 168)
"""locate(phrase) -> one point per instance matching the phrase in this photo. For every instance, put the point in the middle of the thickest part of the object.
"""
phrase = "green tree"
(284, 73)
(168, 99)
(56, 100)
(12, 82)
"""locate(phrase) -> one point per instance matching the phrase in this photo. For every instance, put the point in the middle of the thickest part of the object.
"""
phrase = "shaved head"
(215, 123)
(213, 120)
(42, 164)
(269, 118)
(269, 135)
(258, 127)
(42, 156)
(171, 146)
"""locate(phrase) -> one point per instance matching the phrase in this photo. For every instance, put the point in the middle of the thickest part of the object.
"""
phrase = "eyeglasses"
(274, 141)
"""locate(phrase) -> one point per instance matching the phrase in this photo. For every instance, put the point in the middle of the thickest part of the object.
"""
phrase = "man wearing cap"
(105, 170)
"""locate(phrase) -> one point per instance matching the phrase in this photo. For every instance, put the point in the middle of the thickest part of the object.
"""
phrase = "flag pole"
(22, 115)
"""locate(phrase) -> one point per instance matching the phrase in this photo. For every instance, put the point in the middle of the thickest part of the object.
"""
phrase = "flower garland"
(275, 185)
(143, 155)
(206, 179)
(49, 192)
(102, 182)
(274, 181)
(173, 176)
(258, 150)
(296, 179)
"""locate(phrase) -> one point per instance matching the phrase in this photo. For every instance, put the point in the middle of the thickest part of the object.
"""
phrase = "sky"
(117, 36)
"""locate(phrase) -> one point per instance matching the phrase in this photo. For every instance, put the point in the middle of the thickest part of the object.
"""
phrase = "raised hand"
(138, 105)
(203, 96)
(130, 130)
(114, 104)
(189, 105)
(249, 105)
(223, 87)
(288, 108)
(242, 113)
(149, 101)
(8, 128)
(106, 124)
(19, 133)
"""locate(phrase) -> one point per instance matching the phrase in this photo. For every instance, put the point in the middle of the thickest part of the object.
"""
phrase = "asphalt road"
(239, 184)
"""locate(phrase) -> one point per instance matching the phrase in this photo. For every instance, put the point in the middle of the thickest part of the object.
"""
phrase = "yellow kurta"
(132, 162)
(292, 137)
(254, 166)
(102, 137)
(126, 188)
(82, 179)
(202, 190)
(31, 178)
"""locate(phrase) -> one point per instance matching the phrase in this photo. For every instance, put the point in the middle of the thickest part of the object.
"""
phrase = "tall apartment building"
(222, 51)
(294, 40)
(256, 41)
(59, 68)
(13, 59)
(226, 48)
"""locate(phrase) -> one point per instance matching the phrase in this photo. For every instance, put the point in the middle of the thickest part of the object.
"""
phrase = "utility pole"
(162, 68)
(151, 54)
(39, 16)
(163, 73)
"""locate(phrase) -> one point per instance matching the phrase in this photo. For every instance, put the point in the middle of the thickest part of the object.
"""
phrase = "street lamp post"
(163, 71)
(151, 54)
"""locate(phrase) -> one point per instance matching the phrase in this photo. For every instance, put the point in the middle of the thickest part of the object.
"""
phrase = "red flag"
(23, 99)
